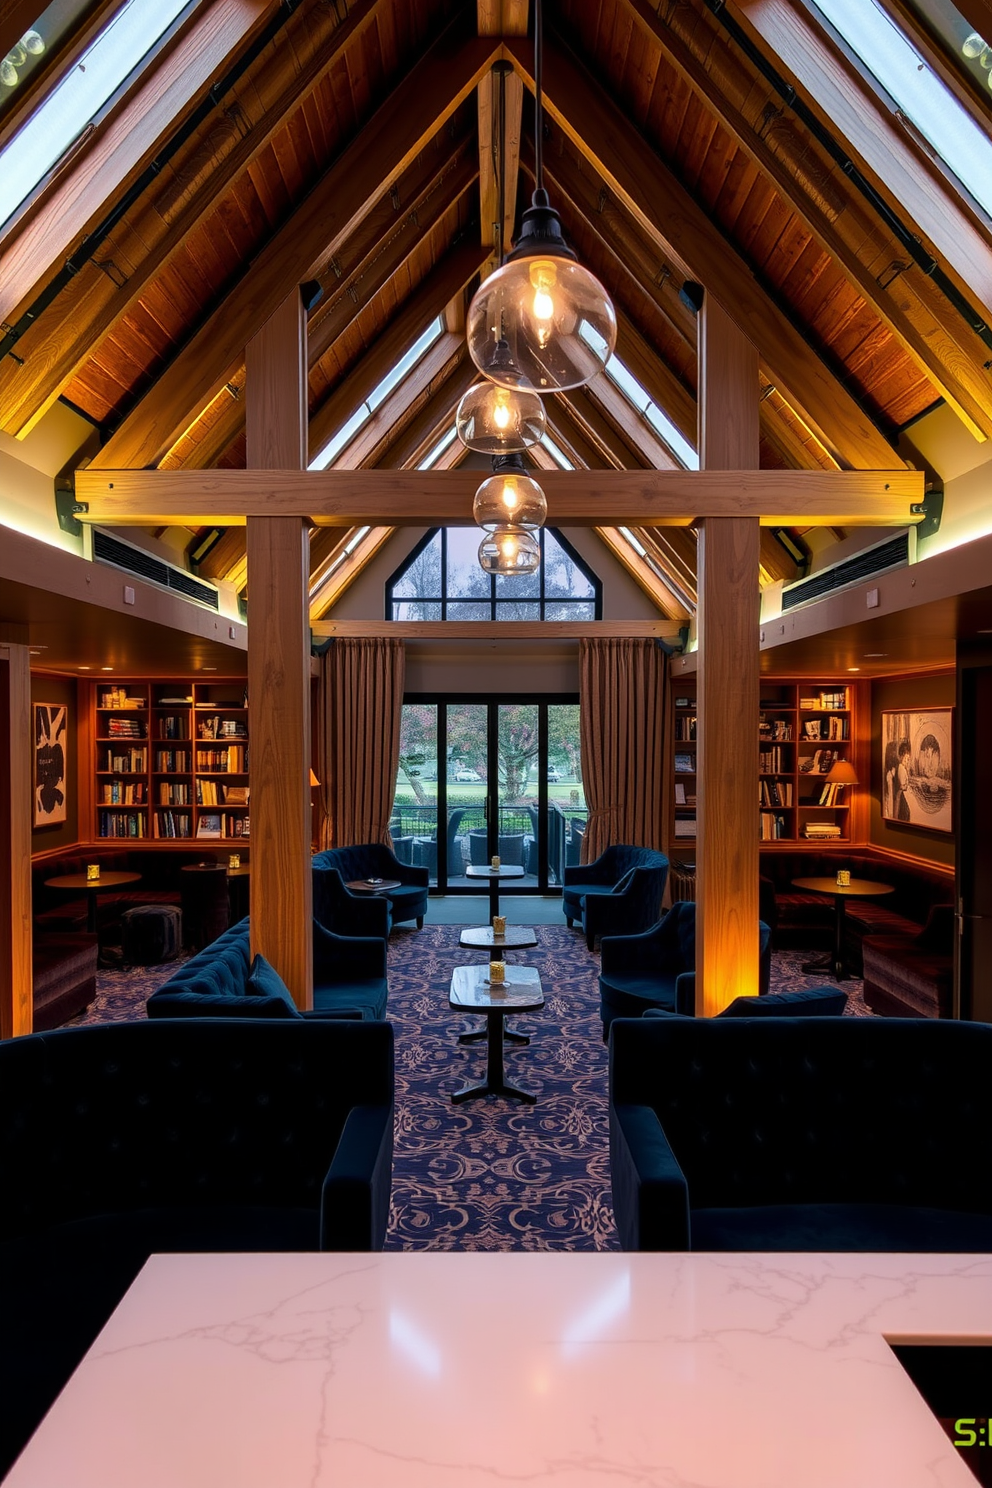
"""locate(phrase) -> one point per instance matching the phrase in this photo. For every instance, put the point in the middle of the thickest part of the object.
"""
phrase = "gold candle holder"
(495, 863)
(499, 925)
(234, 861)
(843, 878)
(497, 972)
(92, 872)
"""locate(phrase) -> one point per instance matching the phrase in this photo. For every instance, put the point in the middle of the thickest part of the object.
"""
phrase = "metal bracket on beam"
(67, 507)
(932, 509)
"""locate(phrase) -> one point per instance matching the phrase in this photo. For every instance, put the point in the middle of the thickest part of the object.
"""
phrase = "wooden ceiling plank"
(354, 498)
(453, 272)
(851, 109)
(122, 146)
(414, 112)
(601, 432)
(651, 191)
(411, 444)
(952, 364)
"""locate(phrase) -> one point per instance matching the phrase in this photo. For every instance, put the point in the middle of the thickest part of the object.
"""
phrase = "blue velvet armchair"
(658, 969)
(619, 893)
(780, 1134)
(368, 860)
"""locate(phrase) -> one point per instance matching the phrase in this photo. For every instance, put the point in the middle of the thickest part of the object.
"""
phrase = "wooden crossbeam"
(426, 498)
(490, 630)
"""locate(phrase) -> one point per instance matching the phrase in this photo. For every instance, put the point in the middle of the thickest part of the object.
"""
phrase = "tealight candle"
(234, 861)
(92, 872)
(495, 863)
(499, 924)
(843, 878)
(497, 971)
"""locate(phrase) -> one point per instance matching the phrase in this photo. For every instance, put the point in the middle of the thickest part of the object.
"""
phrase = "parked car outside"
(470, 776)
(553, 775)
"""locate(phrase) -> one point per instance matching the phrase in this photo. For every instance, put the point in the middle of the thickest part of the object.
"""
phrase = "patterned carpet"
(492, 1174)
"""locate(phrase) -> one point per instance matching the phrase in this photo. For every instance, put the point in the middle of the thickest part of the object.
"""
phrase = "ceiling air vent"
(107, 549)
(894, 552)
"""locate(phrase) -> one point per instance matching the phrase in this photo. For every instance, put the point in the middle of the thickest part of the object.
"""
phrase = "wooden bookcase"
(170, 761)
(803, 727)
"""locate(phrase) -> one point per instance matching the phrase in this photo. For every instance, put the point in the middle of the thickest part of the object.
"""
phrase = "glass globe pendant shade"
(509, 495)
(498, 420)
(555, 317)
(510, 550)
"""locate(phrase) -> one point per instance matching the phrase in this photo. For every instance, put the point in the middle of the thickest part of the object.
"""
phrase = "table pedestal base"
(495, 1081)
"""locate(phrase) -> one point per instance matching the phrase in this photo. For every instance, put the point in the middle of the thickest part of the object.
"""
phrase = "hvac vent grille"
(891, 554)
(108, 550)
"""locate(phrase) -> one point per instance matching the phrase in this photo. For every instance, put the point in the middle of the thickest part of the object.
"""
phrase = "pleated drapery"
(360, 704)
(622, 707)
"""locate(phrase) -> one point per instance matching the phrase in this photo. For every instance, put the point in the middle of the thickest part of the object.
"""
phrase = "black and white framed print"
(918, 768)
(49, 764)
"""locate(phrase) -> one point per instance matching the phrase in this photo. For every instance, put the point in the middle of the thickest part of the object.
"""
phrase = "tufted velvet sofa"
(806, 919)
(349, 981)
(619, 893)
(772, 1134)
(373, 860)
(122, 1139)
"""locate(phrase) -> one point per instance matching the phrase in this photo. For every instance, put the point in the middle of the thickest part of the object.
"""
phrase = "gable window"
(442, 580)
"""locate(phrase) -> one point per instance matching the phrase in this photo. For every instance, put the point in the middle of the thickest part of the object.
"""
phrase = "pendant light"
(556, 318)
(499, 415)
(510, 550)
(511, 496)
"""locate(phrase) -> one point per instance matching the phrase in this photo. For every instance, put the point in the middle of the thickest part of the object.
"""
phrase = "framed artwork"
(49, 764)
(208, 824)
(918, 768)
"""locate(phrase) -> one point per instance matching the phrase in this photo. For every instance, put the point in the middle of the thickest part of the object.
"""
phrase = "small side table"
(484, 938)
(367, 886)
(858, 888)
(113, 879)
(472, 992)
(494, 877)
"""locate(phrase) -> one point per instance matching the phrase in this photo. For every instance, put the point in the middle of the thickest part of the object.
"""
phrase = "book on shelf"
(771, 826)
(821, 831)
(679, 793)
(685, 764)
(685, 826)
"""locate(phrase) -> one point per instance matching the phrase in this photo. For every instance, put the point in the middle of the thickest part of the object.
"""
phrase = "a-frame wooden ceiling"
(352, 145)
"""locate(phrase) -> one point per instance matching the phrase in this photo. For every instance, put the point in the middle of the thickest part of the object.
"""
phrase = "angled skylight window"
(559, 456)
(77, 100)
(378, 395)
(662, 425)
(968, 49)
(437, 450)
(916, 91)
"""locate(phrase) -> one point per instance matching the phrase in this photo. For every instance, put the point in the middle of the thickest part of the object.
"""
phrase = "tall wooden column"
(16, 993)
(727, 680)
(279, 658)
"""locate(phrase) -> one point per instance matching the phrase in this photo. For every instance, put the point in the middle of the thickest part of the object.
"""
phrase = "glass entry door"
(481, 776)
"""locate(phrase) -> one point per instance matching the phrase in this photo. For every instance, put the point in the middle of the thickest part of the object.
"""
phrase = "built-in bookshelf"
(171, 760)
(803, 729)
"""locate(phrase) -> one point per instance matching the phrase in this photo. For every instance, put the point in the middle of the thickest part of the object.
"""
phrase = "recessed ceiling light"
(208, 669)
(33, 651)
(985, 632)
(854, 669)
(85, 669)
(872, 655)
(106, 669)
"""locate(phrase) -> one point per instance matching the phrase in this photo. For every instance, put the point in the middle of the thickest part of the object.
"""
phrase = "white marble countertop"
(450, 1370)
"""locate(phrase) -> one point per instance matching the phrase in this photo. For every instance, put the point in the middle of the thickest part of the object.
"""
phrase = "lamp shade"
(509, 495)
(510, 550)
(499, 420)
(313, 779)
(555, 317)
(842, 773)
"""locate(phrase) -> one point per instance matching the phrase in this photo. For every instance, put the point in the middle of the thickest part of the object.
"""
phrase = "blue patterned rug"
(491, 1174)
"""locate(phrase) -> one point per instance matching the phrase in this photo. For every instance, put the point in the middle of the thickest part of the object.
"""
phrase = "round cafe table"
(113, 879)
(858, 888)
(493, 876)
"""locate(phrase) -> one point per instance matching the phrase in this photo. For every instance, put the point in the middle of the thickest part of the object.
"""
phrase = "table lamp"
(842, 773)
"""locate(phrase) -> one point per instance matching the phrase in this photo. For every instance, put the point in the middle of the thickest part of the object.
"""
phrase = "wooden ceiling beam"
(951, 360)
(567, 434)
(611, 441)
(410, 444)
(644, 575)
(511, 631)
(639, 177)
(499, 18)
(850, 108)
(60, 345)
(342, 568)
(427, 498)
(415, 111)
(118, 151)
(448, 276)
(392, 415)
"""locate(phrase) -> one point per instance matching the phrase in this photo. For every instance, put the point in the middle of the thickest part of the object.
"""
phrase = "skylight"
(636, 396)
(377, 396)
(917, 91)
(76, 101)
(437, 450)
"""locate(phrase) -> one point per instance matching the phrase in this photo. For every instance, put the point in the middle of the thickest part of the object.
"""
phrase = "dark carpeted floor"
(492, 1174)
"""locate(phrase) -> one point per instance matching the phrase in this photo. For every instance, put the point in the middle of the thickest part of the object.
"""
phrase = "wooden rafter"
(393, 414)
(397, 498)
(495, 18)
(639, 177)
(944, 351)
(408, 446)
(341, 568)
(414, 112)
(850, 108)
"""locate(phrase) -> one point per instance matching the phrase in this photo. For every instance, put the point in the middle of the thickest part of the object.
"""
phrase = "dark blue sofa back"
(816, 1110)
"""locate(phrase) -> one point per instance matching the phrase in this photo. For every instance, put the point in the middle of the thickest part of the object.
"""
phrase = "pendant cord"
(538, 94)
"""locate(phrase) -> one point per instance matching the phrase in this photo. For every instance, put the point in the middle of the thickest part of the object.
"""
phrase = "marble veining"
(445, 1370)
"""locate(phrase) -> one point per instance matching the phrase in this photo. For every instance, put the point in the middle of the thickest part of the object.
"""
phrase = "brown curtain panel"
(622, 725)
(359, 712)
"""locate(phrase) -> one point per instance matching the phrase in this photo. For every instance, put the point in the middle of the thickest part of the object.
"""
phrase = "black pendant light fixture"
(554, 318)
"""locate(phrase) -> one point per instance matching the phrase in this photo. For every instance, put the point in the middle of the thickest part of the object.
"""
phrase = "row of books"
(775, 728)
(836, 728)
(173, 726)
(774, 792)
(122, 793)
(172, 761)
(821, 831)
(208, 793)
(127, 762)
(233, 760)
(221, 728)
(830, 794)
(222, 824)
(682, 796)
(122, 824)
(172, 824)
(124, 728)
(771, 826)
(170, 794)
(772, 761)
(685, 726)
(825, 699)
(118, 697)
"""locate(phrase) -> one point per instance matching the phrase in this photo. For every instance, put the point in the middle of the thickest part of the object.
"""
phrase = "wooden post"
(278, 553)
(728, 610)
(16, 990)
